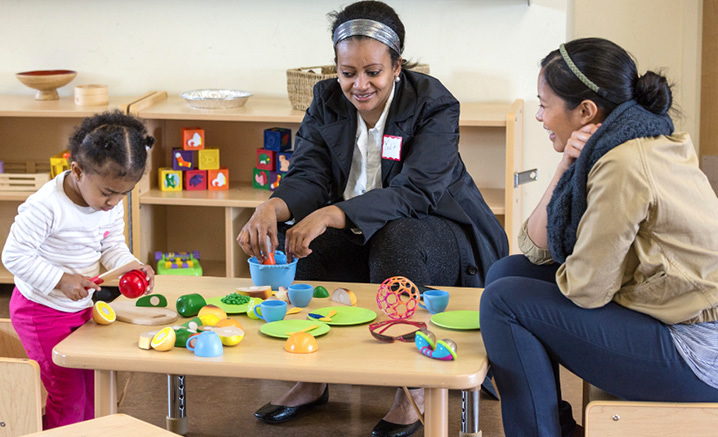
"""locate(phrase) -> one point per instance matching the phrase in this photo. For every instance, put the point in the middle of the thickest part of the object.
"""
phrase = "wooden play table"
(346, 355)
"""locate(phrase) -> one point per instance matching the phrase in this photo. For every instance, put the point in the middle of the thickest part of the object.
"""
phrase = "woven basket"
(301, 81)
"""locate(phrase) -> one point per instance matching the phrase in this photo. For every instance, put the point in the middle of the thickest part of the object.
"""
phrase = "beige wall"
(660, 34)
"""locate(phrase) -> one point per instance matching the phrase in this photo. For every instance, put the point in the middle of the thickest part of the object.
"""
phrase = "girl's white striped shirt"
(52, 235)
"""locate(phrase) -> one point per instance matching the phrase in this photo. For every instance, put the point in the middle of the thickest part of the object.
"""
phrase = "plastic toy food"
(164, 340)
(152, 300)
(212, 309)
(398, 297)
(146, 339)
(103, 314)
(260, 291)
(230, 335)
(301, 343)
(188, 305)
(320, 292)
(228, 322)
(133, 284)
(181, 335)
(344, 296)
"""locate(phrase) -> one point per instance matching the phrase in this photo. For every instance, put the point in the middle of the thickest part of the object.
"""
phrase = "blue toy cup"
(300, 294)
(435, 301)
(277, 275)
(206, 344)
(271, 310)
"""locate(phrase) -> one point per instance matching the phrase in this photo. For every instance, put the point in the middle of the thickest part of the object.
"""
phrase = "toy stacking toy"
(398, 297)
(444, 350)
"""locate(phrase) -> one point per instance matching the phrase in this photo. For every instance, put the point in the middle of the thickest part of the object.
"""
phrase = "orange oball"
(398, 297)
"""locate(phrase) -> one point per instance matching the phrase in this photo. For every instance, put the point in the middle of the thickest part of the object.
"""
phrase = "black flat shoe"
(278, 413)
(388, 429)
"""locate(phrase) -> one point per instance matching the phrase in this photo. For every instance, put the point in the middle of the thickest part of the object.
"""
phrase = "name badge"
(391, 148)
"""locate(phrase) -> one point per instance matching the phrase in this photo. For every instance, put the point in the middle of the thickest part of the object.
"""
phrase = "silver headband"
(373, 29)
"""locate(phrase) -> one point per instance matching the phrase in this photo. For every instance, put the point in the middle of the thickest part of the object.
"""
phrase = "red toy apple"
(133, 284)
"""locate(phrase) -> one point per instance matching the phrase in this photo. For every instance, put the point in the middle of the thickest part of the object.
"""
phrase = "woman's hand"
(253, 236)
(150, 276)
(75, 286)
(303, 233)
(575, 144)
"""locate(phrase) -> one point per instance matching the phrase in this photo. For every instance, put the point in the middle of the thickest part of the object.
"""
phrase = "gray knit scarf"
(568, 202)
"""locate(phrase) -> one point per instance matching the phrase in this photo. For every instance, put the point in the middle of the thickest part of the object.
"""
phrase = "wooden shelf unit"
(209, 221)
(35, 130)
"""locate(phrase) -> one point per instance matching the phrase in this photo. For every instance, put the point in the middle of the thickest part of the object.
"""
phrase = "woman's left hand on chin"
(300, 236)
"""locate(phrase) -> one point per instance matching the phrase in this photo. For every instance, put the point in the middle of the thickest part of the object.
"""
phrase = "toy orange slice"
(103, 314)
(164, 340)
(212, 309)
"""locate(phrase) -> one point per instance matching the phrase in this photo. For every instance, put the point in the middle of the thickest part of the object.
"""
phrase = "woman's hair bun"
(653, 92)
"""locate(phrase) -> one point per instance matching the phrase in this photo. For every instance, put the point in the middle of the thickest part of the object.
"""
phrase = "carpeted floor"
(225, 406)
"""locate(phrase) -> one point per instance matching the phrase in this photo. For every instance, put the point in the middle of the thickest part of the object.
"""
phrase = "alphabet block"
(208, 159)
(278, 139)
(192, 138)
(260, 178)
(218, 179)
(274, 178)
(168, 179)
(283, 160)
(266, 159)
(182, 160)
(195, 180)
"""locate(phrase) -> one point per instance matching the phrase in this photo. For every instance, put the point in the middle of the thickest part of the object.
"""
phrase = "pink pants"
(70, 392)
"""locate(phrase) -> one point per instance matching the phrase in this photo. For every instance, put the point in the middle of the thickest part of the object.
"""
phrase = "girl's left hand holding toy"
(75, 286)
(150, 275)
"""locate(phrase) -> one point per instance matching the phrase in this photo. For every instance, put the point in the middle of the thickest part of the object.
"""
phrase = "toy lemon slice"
(230, 335)
(103, 314)
(164, 340)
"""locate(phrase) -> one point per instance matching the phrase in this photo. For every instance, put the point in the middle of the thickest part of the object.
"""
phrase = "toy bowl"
(277, 275)
(46, 82)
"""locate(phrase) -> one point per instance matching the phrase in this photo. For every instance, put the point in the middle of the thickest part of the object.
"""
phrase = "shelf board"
(483, 114)
(239, 195)
(27, 106)
(257, 109)
(16, 196)
(242, 195)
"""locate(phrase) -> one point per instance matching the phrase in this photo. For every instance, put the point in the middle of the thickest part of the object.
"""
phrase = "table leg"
(436, 412)
(176, 405)
(470, 413)
(105, 392)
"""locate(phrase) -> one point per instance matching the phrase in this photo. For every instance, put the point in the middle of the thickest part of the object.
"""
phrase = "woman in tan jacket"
(619, 278)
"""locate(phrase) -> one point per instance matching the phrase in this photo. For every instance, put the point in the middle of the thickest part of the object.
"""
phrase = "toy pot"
(133, 284)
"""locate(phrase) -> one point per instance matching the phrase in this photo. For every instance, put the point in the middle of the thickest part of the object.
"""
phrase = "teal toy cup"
(435, 301)
(300, 294)
(206, 344)
(271, 310)
(276, 275)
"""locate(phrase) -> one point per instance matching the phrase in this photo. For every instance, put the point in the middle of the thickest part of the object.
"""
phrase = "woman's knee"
(507, 266)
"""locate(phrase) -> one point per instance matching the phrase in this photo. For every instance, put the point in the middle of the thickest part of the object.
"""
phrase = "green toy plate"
(229, 309)
(347, 315)
(280, 328)
(461, 320)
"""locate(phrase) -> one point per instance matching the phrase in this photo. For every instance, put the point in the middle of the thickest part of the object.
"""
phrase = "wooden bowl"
(46, 82)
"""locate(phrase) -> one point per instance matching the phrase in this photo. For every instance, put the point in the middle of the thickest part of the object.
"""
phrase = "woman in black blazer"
(376, 187)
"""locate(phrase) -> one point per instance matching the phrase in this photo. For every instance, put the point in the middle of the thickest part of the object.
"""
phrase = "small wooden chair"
(20, 385)
(611, 416)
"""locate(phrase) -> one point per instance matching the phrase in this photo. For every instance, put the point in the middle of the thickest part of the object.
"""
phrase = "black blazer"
(429, 179)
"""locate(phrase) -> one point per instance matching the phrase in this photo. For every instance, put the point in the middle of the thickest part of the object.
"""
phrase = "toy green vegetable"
(188, 305)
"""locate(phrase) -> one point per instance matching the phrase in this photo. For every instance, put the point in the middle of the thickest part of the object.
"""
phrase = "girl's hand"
(575, 144)
(303, 233)
(253, 236)
(75, 286)
(150, 276)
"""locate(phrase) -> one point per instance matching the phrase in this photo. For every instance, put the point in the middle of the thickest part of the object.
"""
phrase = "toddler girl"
(59, 238)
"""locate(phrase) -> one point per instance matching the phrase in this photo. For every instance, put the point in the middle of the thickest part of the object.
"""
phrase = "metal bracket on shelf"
(526, 176)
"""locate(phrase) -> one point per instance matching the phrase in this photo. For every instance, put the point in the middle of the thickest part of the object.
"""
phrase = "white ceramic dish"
(216, 98)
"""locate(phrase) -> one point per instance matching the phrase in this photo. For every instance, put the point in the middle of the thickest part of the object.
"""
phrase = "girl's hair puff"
(111, 142)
